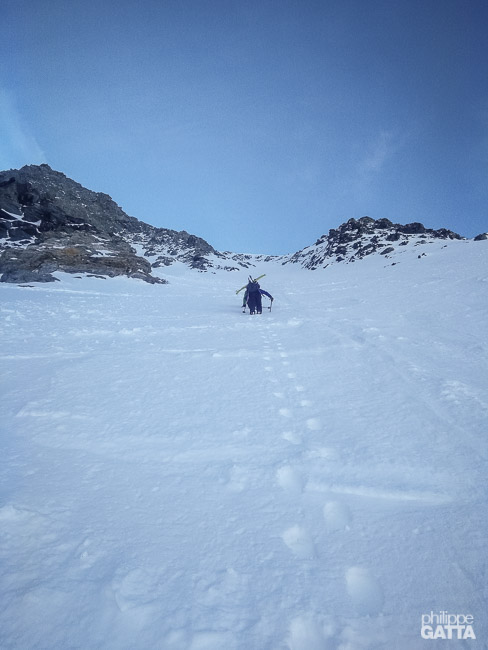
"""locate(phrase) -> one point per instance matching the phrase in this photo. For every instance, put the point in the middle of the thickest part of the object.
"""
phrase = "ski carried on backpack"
(255, 280)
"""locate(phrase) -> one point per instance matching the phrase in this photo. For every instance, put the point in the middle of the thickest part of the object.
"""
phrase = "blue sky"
(255, 125)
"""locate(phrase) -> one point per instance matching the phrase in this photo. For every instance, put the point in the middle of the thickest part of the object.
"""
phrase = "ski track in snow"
(178, 475)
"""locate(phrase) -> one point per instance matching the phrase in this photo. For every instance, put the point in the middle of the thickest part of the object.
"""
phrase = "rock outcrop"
(358, 238)
(49, 223)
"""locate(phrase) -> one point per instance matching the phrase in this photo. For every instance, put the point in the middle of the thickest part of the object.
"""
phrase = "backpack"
(253, 286)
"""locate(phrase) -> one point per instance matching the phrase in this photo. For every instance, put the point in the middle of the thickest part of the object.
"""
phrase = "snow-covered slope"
(178, 475)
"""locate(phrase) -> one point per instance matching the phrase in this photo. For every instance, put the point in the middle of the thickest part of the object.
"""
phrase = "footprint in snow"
(364, 591)
(225, 594)
(299, 542)
(176, 639)
(211, 640)
(237, 479)
(289, 479)
(337, 515)
(327, 453)
(292, 437)
(308, 633)
(89, 553)
(314, 424)
(137, 592)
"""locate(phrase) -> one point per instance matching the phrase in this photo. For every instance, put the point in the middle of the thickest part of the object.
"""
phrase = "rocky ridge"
(49, 223)
(358, 238)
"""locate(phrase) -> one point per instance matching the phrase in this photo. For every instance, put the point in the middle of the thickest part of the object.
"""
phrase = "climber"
(252, 297)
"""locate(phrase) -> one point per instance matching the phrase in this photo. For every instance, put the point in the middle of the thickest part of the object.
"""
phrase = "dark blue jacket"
(261, 291)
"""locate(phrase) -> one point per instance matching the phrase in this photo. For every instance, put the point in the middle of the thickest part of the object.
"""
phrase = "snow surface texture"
(178, 475)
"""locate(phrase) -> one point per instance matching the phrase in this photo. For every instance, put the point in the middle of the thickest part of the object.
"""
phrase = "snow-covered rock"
(54, 223)
(49, 222)
(358, 238)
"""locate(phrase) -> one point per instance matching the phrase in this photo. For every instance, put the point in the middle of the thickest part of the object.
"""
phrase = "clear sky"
(255, 124)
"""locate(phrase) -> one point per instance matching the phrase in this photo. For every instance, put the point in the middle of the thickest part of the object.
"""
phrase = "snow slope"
(178, 475)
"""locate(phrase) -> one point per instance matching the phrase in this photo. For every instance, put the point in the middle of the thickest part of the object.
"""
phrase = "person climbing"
(252, 297)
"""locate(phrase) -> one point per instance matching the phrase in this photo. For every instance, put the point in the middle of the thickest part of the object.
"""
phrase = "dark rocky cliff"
(48, 223)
